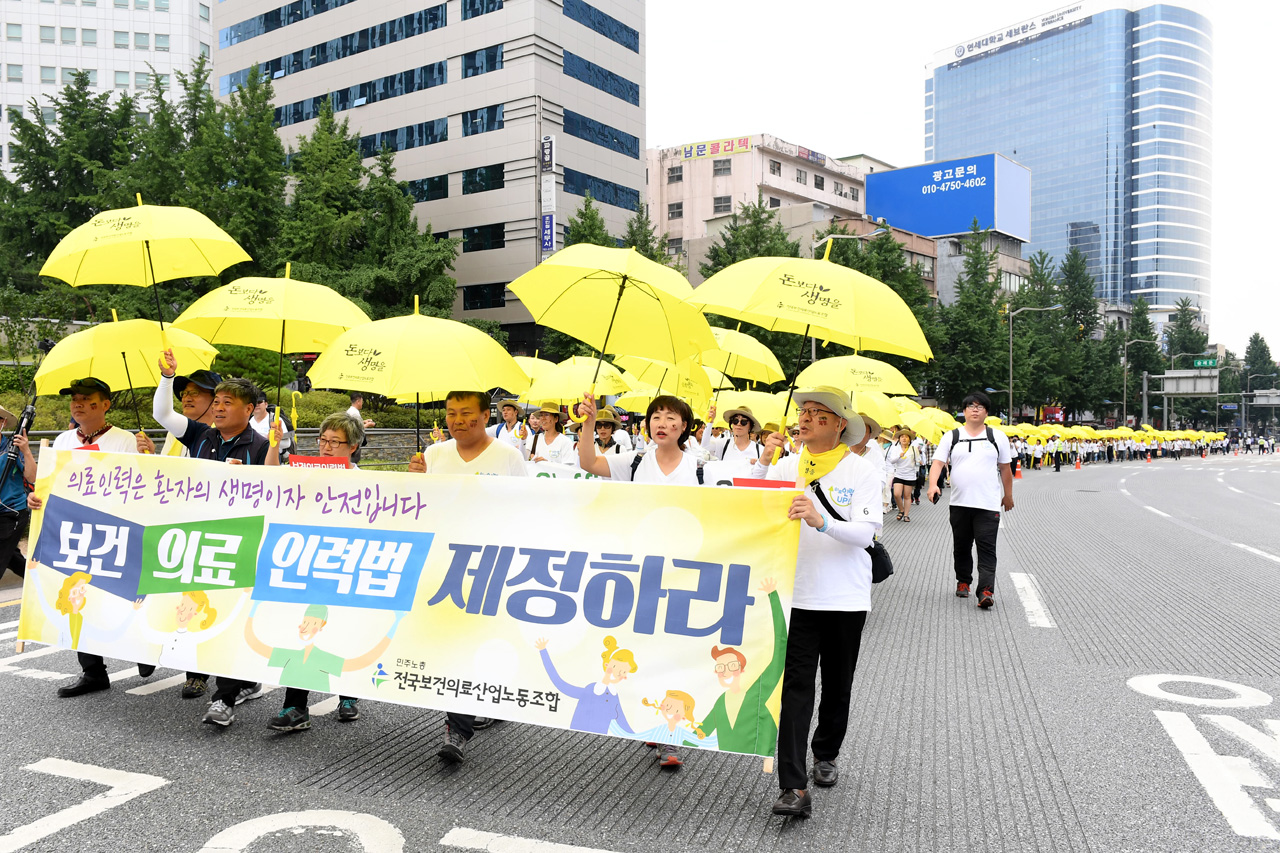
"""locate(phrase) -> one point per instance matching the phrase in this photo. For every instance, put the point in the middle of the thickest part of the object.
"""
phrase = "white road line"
(1234, 489)
(475, 839)
(157, 686)
(1158, 512)
(1256, 552)
(13, 624)
(37, 653)
(41, 674)
(8, 635)
(121, 675)
(1220, 480)
(328, 706)
(1029, 591)
(1125, 491)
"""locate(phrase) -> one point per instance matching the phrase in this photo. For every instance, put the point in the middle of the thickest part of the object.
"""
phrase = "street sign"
(1204, 362)
(548, 231)
(1230, 407)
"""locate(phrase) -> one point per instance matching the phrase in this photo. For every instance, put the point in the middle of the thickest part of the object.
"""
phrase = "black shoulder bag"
(881, 564)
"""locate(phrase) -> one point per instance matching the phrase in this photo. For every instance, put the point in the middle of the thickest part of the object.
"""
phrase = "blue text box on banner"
(78, 539)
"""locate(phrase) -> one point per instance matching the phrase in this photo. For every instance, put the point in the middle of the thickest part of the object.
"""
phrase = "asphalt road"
(1118, 697)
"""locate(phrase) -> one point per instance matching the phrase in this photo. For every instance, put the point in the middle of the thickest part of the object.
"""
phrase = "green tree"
(324, 223)
(1037, 358)
(1257, 359)
(1142, 357)
(1082, 360)
(1184, 340)
(972, 356)
(640, 235)
(588, 226)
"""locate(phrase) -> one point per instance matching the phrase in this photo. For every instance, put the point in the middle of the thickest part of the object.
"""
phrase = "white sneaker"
(219, 714)
(251, 692)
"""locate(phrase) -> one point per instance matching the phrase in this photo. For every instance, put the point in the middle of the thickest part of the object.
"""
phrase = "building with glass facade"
(464, 91)
(1110, 106)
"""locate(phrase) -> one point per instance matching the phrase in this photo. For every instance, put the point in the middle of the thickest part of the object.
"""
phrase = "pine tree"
(973, 336)
(1257, 360)
(588, 226)
(1079, 391)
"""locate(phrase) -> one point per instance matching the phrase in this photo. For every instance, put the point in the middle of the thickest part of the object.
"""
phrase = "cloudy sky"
(846, 77)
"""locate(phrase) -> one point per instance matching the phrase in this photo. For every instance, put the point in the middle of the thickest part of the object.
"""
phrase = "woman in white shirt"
(737, 446)
(607, 433)
(551, 444)
(904, 459)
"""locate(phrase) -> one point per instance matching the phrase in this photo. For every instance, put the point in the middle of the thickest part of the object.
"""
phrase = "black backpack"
(990, 436)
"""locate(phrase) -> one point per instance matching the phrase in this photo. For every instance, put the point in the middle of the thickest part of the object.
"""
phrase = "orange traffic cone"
(1148, 458)
(1017, 472)
(1078, 465)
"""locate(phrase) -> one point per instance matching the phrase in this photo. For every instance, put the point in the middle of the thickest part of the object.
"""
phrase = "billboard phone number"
(953, 185)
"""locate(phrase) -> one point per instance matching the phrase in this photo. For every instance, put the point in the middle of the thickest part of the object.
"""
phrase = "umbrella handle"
(575, 418)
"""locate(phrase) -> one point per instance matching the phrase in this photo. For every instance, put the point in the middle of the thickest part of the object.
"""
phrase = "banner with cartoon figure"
(649, 612)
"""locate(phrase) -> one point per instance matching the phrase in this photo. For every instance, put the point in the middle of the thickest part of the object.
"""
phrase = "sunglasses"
(739, 420)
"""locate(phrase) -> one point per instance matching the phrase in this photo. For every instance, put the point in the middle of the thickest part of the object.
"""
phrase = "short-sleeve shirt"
(975, 467)
(499, 458)
(685, 474)
(114, 440)
(310, 674)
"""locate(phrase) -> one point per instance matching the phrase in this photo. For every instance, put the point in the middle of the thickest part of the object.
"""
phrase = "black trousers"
(463, 724)
(970, 525)
(93, 666)
(297, 698)
(12, 526)
(228, 688)
(817, 638)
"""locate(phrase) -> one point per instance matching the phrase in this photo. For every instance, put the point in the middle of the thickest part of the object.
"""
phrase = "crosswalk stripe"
(328, 706)
(156, 686)
(13, 624)
(37, 653)
(122, 674)
(8, 635)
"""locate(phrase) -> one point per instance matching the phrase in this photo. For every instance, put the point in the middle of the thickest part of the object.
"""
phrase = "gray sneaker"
(251, 692)
(453, 746)
(219, 714)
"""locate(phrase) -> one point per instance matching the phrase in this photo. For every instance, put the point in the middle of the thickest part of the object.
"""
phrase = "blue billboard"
(936, 199)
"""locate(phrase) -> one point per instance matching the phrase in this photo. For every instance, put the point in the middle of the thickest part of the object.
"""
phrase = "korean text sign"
(632, 610)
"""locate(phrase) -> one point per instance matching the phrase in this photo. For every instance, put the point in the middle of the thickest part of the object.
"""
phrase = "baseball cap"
(206, 379)
(86, 386)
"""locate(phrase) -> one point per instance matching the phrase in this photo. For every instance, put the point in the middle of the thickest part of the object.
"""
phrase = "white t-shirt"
(623, 438)
(561, 451)
(509, 435)
(355, 413)
(262, 427)
(904, 466)
(685, 474)
(833, 569)
(975, 472)
(726, 449)
(114, 440)
(497, 459)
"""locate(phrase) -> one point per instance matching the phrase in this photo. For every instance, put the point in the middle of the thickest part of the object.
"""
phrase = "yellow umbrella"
(565, 382)
(923, 425)
(719, 381)
(856, 372)
(617, 301)
(256, 312)
(905, 405)
(415, 356)
(874, 405)
(806, 297)
(142, 245)
(765, 406)
(686, 379)
(533, 368)
(738, 354)
(118, 351)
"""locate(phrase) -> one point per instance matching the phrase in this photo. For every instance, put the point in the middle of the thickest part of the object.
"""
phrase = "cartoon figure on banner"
(307, 667)
(178, 647)
(72, 598)
(740, 717)
(678, 726)
(598, 706)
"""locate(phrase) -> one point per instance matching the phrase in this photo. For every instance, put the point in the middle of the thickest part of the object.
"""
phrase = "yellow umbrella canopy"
(905, 405)
(121, 354)
(533, 367)
(766, 407)
(804, 296)
(142, 245)
(738, 354)
(876, 406)
(617, 301)
(686, 379)
(923, 425)
(856, 372)
(719, 381)
(566, 381)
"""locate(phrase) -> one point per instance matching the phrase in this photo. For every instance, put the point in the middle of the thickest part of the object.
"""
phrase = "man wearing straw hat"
(738, 447)
(511, 430)
(840, 515)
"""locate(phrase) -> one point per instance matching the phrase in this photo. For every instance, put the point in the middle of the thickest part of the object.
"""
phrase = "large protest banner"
(650, 612)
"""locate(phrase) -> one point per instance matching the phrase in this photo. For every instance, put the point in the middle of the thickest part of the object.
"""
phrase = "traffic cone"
(1017, 472)
(1078, 465)
(1148, 458)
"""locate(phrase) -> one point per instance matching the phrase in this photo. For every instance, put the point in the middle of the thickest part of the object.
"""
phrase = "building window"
(68, 35)
(405, 138)
(48, 74)
(819, 182)
(482, 120)
(721, 167)
(142, 5)
(675, 246)
(161, 5)
(484, 178)
(283, 16)
(854, 193)
(605, 192)
(837, 188)
(429, 189)
(141, 80)
(601, 78)
(481, 238)
(48, 116)
(121, 40)
(392, 86)
(121, 4)
(476, 8)
(609, 27)
(802, 177)
(46, 35)
(477, 297)
(122, 79)
(675, 210)
(13, 73)
(601, 134)
(89, 38)
(68, 76)
(204, 49)
(675, 174)
(162, 80)
(722, 204)
(162, 42)
(773, 202)
(142, 41)
(775, 168)
(481, 61)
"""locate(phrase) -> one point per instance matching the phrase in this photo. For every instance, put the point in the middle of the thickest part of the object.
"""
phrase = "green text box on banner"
(653, 613)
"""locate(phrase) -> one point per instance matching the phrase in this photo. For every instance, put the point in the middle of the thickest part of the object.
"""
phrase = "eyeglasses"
(191, 392)
(329, 442)
(975, 406)
(737, 420)
(732, 666)
(813, 413)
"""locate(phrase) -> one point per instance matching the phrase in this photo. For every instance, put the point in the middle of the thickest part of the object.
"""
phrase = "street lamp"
(814, 247)
(1124, 420)
(1244, 421)
(1013, 314)
(1000, 391)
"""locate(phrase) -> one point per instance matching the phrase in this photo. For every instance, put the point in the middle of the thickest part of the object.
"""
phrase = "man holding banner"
(833, 584)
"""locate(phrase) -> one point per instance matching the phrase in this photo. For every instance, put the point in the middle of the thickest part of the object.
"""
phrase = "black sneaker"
(146, 670)
(962, 590)
(348, 710)
(290, 720)
(453, 746)
(193, 688)
(253, 691)
(483, 723)
(986, 599)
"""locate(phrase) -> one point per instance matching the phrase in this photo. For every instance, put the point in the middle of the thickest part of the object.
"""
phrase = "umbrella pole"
(280, 366)
(132, 397)
(417, 421)
(155, 288)
(600, 360)
(791, 391)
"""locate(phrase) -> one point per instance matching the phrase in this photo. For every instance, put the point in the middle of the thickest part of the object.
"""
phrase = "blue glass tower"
(1111, 109)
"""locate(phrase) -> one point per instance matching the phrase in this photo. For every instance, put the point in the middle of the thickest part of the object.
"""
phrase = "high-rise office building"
(465, 92)
(1110, 106)
(119, 43)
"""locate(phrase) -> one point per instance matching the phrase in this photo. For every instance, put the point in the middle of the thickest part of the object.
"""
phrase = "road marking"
(121, 675)
(1220, 480)
(8, 635)
(157, 686)
(122, 787)
(475, 839)
(328, 706)
(1157, 512)
(1153, 686)
(1029, 591)
(5, 663)
(1256, 552)
(371, 833)
(1234, 489)
(13, 624)
(41, 674)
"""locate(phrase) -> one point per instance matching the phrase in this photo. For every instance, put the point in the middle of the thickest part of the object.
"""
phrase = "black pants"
(12, 526)
(463, 724)
(296, 698)
(922, 476)
(817, 638)
(93, 666)
(228, 689)
(1057, 461)
(970, 525)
